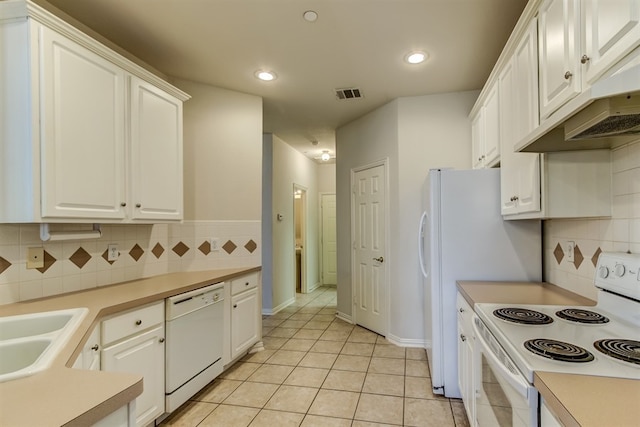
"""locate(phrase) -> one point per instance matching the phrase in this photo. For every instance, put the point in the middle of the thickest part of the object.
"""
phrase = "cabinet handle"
(461, 310)
(463, 338)
(235, 305)
(95, 347)
(138, 205)
(123, 204)
(584, 59)
(568, 75)
(138, 322)
(161, 340)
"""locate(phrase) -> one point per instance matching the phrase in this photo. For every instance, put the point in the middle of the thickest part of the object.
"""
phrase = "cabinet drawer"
(244, 283)
(132, 322)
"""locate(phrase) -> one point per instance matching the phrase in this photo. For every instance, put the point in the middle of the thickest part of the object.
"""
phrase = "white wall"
(620, 233)
(327, 178)
(222, 153)
(415, 134)
(288, 167)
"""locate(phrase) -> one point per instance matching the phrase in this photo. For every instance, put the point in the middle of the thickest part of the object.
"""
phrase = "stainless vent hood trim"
(550, 135)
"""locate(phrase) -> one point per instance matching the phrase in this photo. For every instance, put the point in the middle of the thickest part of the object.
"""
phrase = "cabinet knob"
(138, 322)
(568, 75)
(584, 59)
(463, 338)
(161, 340)
(461, 310)
(138, 205)
(235, 305)
(123, 204)
(246, 284)
(95, 347)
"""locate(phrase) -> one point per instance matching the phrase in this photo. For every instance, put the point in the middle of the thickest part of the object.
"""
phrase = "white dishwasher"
(194, 331)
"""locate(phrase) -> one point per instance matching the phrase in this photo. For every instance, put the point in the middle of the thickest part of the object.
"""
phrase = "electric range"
(603, 340)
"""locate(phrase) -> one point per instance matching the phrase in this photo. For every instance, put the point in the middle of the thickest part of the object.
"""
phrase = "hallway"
(317, 370)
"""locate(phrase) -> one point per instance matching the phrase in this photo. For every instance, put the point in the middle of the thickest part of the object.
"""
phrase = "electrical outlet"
(215, 244)
(112, 252)
(569, 251)
(35, 258)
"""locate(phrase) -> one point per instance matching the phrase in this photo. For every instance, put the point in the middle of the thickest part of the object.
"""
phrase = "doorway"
(369, 229)
(299, 237)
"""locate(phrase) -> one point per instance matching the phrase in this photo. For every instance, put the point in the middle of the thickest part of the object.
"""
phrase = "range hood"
(606, 115)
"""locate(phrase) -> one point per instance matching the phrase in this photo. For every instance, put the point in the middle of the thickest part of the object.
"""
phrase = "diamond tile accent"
(594, 258)
(558, 253)
(251, 246)
(577, 257)
(80, 257)
(49, 260)
(205, 248)
(157, 250)
(136, 252)
(229, 247)
(180, 249)
(4, 264)
(105, 256)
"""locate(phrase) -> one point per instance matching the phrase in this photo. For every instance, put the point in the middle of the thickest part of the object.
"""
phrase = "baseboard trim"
(269, 312)
(346, 317)
(405, 342)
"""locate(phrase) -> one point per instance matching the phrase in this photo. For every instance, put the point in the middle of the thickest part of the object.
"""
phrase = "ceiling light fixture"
(415, 57)
(310, 16)
(265, 75)
(325, 156)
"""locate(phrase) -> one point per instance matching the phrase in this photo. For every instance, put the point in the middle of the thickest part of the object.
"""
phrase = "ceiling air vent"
(349, 93)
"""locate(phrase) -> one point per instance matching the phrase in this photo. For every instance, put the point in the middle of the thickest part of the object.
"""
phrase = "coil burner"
(626, 350)
(582, 316)
(558, 350)
(523, 316)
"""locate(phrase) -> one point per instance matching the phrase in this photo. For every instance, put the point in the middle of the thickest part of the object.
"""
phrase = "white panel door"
(329, 243)
(369, 268)
(156, 153)
(612, 29)
(559, 50)
(82, 125)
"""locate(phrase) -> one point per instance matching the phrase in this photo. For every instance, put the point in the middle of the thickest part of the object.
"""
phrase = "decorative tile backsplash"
(620, 233)
(144, 250)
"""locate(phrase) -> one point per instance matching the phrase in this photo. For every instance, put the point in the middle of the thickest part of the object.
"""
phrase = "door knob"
(380, 259)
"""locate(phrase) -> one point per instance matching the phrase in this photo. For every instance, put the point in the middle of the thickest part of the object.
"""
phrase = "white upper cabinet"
(88, 136)
(559, 52)
(485, 132)
(611, 30)
(156, 153)
(82, 131)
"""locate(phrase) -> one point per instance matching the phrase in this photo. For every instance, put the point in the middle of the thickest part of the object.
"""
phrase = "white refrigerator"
(462, 236)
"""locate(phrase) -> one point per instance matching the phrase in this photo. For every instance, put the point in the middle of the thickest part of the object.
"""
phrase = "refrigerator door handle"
(424, 219)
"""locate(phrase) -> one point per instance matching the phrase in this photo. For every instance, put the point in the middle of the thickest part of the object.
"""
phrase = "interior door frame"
(303, 237)
(387, 275)
(321, 228)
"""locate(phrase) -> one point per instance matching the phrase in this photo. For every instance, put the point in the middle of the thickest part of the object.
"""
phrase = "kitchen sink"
(30, 342)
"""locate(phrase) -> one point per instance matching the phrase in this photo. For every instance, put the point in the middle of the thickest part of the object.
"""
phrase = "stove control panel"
(619, 273)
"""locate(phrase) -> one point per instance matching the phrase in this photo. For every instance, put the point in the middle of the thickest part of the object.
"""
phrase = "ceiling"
(353, 43)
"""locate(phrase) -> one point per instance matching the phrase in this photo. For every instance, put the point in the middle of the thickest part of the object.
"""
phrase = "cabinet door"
(82, 131)
(245, 321)
(525, 84)
(156, 153)
(611, 30)
(141, 354)
(492, 127)
(89, 359)
(529, 185)
(508, 170)
(559, 53)
(477, 140)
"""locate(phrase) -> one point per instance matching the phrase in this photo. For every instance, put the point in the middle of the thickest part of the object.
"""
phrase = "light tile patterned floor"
(317, 370)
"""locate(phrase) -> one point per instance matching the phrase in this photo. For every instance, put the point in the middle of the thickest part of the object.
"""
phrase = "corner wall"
(288, 167)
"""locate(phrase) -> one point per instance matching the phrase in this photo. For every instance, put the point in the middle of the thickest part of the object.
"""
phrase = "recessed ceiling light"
(415, 57)
(265, 75)
(310, 16)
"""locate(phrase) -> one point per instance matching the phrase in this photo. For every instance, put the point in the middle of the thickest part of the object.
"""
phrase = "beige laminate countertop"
(64, 396)
(577, 400)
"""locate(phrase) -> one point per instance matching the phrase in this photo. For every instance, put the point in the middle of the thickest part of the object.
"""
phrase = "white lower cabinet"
(133, 342)
(244, 316)
(465, 356)
(547, 418)
(89, 358)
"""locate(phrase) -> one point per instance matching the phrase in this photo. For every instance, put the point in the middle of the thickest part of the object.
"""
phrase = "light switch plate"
(35, 258)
